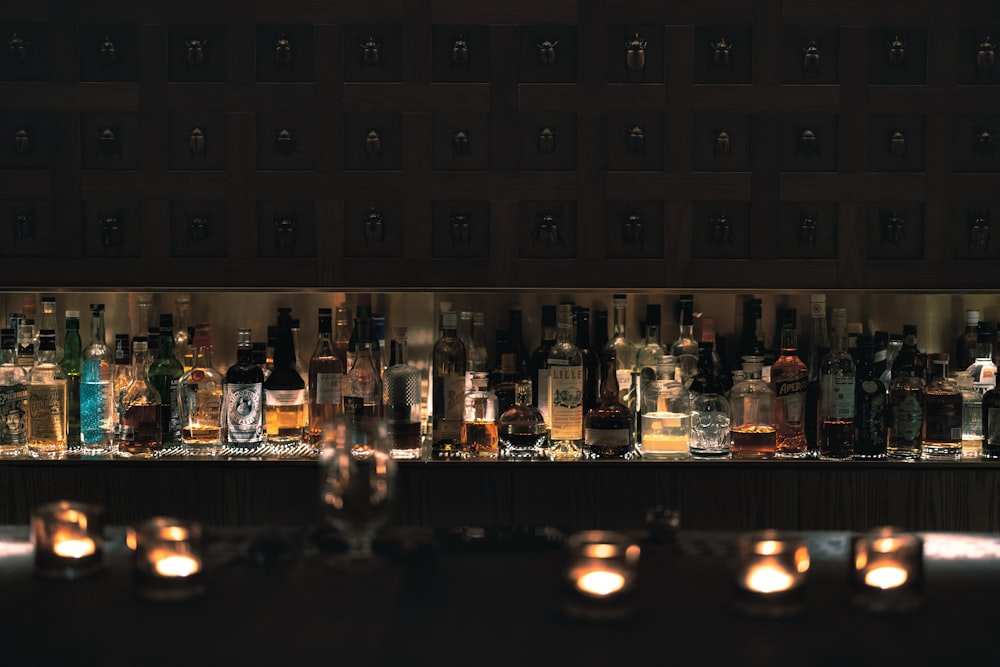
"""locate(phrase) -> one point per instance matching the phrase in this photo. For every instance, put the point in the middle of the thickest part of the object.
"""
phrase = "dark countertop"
(441, 599)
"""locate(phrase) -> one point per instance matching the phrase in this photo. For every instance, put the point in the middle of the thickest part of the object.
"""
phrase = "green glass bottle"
(164, 372)
(70, 364)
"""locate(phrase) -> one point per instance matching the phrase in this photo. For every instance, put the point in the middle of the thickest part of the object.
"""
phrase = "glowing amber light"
(174, 533)
(168, 564)
(73, 547)
(600, 583)
(886, 576)
(599, 550)
(768, 578)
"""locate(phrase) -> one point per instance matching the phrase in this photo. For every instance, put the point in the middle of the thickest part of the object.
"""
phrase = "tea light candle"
(769, 578)
(73, 547)
(601, 575)
(600, 582)
(770, 573)
(168, 564)
(888, 570)
(68, 539)
(167, 558)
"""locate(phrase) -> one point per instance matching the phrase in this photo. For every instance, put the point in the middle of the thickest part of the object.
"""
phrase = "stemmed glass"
(359, 483)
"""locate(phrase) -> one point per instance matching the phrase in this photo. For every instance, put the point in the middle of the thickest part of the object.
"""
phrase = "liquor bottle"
(285, 395)
(600, 338)
(836, 404)
(479, 419)
(46, 438)
(342, 334)
(515, 334)
(72, 366)
(182, 340)
(144, 321)
(666, 370)
(666, 424)
(402, 401)
(482, 355)
(200, 398)
(854, 330)
(972, 417)
(13, 398)
(243, 398)
(685, 348)
(327, 375)
(165, 372)
(48, 319)
(906, 400)
(705, 379)
(448, 386)
(521, 430)
(649, 353)
(363, 383)
(97, 409)
(718, 368)
(870, 405)
(591, 360)
(880, 352)
(503, 377)
(363, 310)
(152, 342)
(272, 342)
(378, 344)
(789, 376)
(752, 409)
(965, 345)
(624, 348)
(991, 424)
(474, 360)
(121, 377)
(893, 347)
(259, 355)
(819, 347)
(140, 428)
(538, 364)
(26, 343)
(942, 427)
(565, 400)
(300, 367)
(752, 338)
(982, 368)
(609, 427)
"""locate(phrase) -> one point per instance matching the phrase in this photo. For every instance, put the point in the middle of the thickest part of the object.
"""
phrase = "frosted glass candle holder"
(770, 574)
(601, 576)
(168, 562)
(887, 570)
(68, 538)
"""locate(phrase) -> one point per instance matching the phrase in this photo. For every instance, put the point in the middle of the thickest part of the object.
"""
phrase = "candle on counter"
(888, 570)
(601, 576)
(888, 575)
(72, 546)
(600, 582)
(768, 577)
(168, 563)
(168, 559)
(770, 573)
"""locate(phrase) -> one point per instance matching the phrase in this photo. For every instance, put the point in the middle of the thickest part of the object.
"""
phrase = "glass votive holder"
(770, 574)
(168, 561)
(601, 577)
(68, 538)
(887, 570)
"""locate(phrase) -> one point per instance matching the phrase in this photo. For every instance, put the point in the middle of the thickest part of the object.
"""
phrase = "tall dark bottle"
(591, 360)
(538, 364)
(991, 424)
(819, 347)
(243, 398)
(285, 411)
(871, 404)
(165, 372)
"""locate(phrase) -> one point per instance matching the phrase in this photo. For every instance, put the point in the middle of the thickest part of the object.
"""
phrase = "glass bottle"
(515, 335)
(47, 423)
(906, 400)
(72, 366)
(870, 405)
(448, 376)
(789, 377)
(600, 338)
(285, 394)
(402, 401)
(342, 333)
(144, 320)
(965, 345)
(482, 355)
(13, 398)
(479, 419)
(649, 353)
(972, 417)
(363, 384)
(504, 375)
(200, 398)
(666, 426)
(152, 342)
(718, 368)
(300, 367)
(327, 375)
(624, 348)
(243, 398)
(140, 429)
(182, 340)
(910, 355)
(991, 424)
(609, 427)
(26, 343)
(819, 347)
(538, 364)
(942, 427)
(751, 401)
(565, 400)
(685, 348)
(272, 342)
(363, 311)
(982, 368)
(591, 360)
(880, 352)
(752, 338)
(97, 409)
(259, 349)
(121, 377)
(836, 405)
(378, 342)
(894, 345)
(521, 430)
(48, 319)
(165, 371)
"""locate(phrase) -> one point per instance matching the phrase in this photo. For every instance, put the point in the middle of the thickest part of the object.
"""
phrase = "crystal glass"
(168, 559)
(711, 435)
(358, 488)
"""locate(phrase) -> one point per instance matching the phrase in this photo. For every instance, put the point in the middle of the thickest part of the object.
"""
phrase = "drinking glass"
(359, 482)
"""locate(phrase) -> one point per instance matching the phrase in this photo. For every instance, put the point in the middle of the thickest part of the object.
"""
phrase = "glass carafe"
(752, 400)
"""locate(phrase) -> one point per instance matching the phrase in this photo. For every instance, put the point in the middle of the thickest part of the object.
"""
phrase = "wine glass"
(359, 482)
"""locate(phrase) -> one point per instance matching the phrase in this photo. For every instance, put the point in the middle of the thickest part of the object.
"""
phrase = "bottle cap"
(73, 314)
(48, 299)
(325, 311)
(449, 320)
(399, 332)
(243, 338)
(838, 319)
(653, 314)
(96, 308)
(621, 297)
(909, 330)
(971, 318)
(817, 298)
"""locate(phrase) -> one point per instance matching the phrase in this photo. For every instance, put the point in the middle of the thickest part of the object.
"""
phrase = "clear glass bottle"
(144, 316)
(480, 360)
(243, 398)
(982, 368)
(591, 360)
(165, 371)
(972, 417)
(342, 334)
(906, 400)
(402, 400)
(871, 405)
(13, 398)
(474, 360)
(48, 319)
(522, 431)
(480, 436)
(685, 348)
(200, 396)
(625, 350)
(300, 367)
(649, 353)
(608, 429)
(666, 424)
(182, 341)
(789, 376)
(97, 408)
(836, 405)
(751, 401)
(893, 347)
(965, 345)
(285, 394)
(538, 364)
(363, 384)
(448, 385)
(122, 376)
(565, 400)
(819, 347)
(140, 428)
(942, 427)
(327, 374)
(26, 348)
(72, 366)
(47, 422)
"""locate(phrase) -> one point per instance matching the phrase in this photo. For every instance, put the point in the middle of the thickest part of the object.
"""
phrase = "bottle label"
(174, 421)
(908, 417)
(871, 420)
(45, 412)
(624, 377)
(566, 402)
(987, 377)
(329, 388)
(244, 417)
(285, 396)
(944, 422)
(792, 393)
(13, 414)
(607, 437)
(837, 397)
(543, 393)
(448, 415)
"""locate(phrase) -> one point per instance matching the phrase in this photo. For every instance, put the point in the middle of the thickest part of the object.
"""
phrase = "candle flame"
(768, 578)
(599, 550)
(74, 547)
(177, 565)
(601, 582)
(886, 576)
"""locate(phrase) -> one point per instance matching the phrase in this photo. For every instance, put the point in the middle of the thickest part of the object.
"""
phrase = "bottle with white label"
(326, 378)
(836, 393)
(624, 348)
(448, 365)
(13, 398)
(609, 427)
(565, 399)
(200, 395)
(243, 418)
(285, 407)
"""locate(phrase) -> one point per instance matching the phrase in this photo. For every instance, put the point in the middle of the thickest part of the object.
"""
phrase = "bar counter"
(710, 495)
(437, 599)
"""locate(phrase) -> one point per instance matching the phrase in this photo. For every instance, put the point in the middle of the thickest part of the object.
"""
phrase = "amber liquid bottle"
(608, 428)
(789, 376)
(285, 390)
(326, 379)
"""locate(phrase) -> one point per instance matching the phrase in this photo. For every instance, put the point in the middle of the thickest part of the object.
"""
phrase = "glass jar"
(479, 423)
(666, 417)
(754, 434)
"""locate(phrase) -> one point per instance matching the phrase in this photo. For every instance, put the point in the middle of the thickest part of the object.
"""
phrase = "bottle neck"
(652, 334)
(165, 344)
(203, 355)
(72, 345)
(399, 346)
(619, 320)
(582, 331)
(609, 388)
(244, 355)
(139, 360)
(97, 328)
